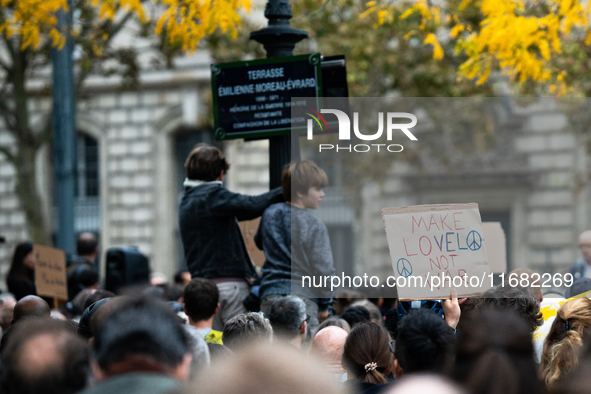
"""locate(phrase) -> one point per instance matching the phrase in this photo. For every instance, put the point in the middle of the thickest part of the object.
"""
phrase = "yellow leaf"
(437, 49)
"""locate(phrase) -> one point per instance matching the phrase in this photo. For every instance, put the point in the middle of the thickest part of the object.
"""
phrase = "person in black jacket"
(208, 220)
(21, 276)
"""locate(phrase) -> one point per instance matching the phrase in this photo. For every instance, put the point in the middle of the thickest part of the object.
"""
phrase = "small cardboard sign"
(50, 272)
(443, 241)
(249, 229)
(496, 246)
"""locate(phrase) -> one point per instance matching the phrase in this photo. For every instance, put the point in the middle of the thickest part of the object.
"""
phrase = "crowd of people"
(223, 328)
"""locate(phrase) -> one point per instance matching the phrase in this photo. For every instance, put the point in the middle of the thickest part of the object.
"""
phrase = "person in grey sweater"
(296, 243)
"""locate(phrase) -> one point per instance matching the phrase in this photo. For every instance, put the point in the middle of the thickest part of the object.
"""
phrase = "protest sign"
(50, 272)
(249, 228)
(435, 248)
(496, 249)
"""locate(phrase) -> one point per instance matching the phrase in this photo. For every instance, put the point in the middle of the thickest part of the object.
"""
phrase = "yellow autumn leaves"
(185, 22)
(521, 38)
(189, 21)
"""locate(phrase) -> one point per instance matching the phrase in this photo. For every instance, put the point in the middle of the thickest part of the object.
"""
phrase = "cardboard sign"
(443, 241)
(249, 229)
(496, 246)
(50, 272)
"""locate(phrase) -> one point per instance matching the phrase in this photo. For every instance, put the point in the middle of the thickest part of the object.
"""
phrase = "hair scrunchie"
(370, 367)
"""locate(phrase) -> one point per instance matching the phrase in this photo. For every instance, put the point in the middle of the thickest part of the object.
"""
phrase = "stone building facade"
(535, 181)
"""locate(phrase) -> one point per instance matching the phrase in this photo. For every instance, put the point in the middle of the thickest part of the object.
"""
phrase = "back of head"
(329, 345)
(355, 315)
(44, 356)
(526, 276)
(425, 343)
(286, 316)
(247, 328)
(264, 370)
(374, 311)
(30, 306)
(201, 299)
(97, 296)
(518, 299)
(495, 355)
(86, 244)
(300, 176)
(367, 354)
(140, 334)
(345, 298)
(334, 321)
(205, 163)
(565, 339)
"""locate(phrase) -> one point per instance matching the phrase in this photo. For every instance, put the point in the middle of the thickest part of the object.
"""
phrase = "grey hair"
(287, 315)
(246, 328)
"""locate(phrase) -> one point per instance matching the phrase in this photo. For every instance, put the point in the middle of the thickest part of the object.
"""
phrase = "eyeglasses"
(392, 345)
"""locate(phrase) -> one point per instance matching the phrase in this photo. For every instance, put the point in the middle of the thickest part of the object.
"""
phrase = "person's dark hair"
(355, 315)
(366, 344)
(140, 327)
(88, 278)
(86, 245)
(287, 315)
(173, 292)
(247, 328)
(300, 176)
(205, 163)
(201, 299)
(518, 299)
(495, 355)
(391, 322)
(425, 343)
(17, 268)
(44, 356)
(97, 296)
(178, 277)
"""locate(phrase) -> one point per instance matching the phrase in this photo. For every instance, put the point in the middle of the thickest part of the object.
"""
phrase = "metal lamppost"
(279, 40)
(64, 134)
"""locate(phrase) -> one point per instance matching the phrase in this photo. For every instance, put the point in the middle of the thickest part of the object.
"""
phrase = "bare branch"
(8, 115)
(8, 154)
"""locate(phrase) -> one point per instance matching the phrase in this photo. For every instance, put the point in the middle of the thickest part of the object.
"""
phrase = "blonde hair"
(565, 339)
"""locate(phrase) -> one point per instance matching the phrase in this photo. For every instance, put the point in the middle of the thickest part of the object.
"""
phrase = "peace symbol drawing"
(404, 267)
(474, 240)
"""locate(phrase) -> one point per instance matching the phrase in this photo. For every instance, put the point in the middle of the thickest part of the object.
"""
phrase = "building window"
(86, 187)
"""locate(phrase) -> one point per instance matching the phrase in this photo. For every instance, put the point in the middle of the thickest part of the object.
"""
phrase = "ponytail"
(565, 339)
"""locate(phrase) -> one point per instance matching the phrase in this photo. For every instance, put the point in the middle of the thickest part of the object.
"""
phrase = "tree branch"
(8, 154)
(7, 114)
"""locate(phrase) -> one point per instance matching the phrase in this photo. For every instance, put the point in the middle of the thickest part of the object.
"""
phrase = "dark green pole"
(279, 40)
(64, 135)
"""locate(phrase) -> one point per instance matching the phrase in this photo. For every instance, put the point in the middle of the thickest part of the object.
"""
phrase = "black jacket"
(208, 222)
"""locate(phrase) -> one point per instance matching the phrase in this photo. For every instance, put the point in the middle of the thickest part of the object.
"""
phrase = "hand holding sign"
(433, 245)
